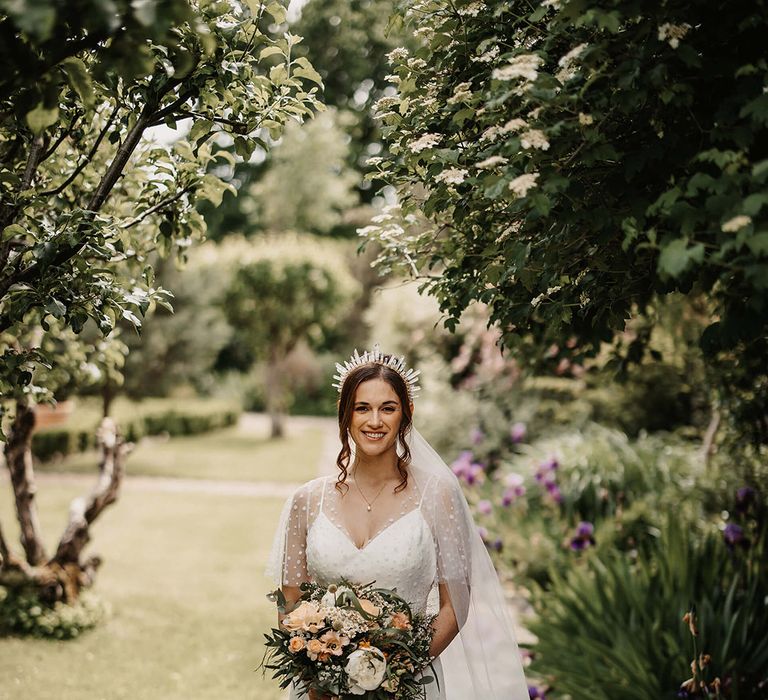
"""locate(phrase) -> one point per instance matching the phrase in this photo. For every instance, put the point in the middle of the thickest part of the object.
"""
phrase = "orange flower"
(364, 644)
(297, 644)
(306, 617)
(400, 621)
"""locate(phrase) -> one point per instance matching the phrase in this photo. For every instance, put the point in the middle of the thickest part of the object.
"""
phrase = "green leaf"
(758, 243)
(80, 80)
(270, 51)
(13, 231)
(305, 70)
(277, 11)
(40, 118)
(676, 256)
(55, 308)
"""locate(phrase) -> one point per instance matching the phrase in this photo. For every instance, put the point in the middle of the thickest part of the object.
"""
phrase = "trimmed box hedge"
(151, 417)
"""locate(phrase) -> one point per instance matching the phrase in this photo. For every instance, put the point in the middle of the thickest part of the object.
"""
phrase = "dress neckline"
(346, 536)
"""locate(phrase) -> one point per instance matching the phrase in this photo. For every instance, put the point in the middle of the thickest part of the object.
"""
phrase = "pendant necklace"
(369, 504)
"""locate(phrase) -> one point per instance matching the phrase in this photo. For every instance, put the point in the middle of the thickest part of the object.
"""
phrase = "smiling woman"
(395, 515)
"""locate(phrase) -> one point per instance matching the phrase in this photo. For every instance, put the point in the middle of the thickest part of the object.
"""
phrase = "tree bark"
(708, 445)
(274, 389)
(18, 457)
(83, 511)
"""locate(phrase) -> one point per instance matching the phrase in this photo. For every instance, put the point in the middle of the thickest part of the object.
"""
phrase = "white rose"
(365, 668)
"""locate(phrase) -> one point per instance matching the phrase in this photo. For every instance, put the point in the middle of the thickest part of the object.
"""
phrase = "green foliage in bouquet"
(22, 612)
(351, 641)
(613, 627)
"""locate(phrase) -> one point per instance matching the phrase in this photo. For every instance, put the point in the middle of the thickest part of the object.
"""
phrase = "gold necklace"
(368, 503)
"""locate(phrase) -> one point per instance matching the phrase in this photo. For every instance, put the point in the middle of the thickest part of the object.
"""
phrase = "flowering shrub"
(574, 159)
(23, 613)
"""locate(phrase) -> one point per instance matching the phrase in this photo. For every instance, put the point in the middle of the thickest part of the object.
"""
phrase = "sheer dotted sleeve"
(288, 561)
(443, 508)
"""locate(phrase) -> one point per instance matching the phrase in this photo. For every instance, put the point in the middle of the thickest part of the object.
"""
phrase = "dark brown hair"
(354, 379)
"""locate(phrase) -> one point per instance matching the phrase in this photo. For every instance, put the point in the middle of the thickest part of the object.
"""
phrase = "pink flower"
(484, 507)
(518, 432)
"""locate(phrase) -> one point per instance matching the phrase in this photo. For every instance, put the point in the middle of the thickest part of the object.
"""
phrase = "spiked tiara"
(410, 376)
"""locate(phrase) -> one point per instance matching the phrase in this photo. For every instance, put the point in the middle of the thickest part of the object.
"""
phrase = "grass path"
(183, 571)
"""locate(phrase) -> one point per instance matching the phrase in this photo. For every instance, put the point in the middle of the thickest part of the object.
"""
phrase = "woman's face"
(376, 417)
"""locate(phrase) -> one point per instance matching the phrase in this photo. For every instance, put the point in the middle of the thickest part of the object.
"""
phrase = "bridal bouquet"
(347, 640)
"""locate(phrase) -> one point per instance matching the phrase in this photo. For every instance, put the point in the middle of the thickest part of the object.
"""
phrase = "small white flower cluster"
(385, 103)
(493, 132)
(492, 162)
(736, 223)
(416, 63)
(488, 56)
(392, 78)
(523, 66)
(373, 161)
(554, 4)
(534, 138)
(345, 621)
(521, 185)
(424, 142)
(585, 119)
(425, 32)
(460, 94)
(672, 33)
(537, 300)
(452, 176)
(471, 10)
(398, 54)
(567, 63)
(514, 227)
(514, 125)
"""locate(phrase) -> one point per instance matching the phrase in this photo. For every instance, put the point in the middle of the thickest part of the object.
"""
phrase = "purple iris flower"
(551, 464)
(557, 497)
(484, 507)
(734, 535)
(583, 537)
(518, 432)
(536, 693)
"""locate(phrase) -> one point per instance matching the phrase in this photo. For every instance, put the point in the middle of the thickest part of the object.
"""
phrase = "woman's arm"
(445, 625)
(292, 594)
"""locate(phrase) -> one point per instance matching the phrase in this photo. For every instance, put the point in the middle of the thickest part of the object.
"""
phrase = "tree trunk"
(275, 399)
(18, 457)
(65, 575)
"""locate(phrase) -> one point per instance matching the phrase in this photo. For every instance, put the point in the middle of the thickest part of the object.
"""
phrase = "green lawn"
(231, 453)
(183, 573)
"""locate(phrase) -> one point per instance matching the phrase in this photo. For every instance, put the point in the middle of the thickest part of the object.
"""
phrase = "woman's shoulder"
(310, 489)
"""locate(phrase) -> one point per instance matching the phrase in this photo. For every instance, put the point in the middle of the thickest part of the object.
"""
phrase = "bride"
(395, 514)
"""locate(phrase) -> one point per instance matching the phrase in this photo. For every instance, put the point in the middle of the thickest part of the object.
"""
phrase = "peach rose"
(297, 644)
(315, 648)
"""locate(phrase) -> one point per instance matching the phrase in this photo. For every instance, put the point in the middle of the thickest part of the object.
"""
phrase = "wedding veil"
(483, 661)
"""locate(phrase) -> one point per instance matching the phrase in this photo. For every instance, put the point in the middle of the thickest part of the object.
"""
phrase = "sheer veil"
(483, 661)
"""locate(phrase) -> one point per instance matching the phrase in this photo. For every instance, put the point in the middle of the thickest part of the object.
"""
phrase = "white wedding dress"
(401, 555)
(421, 537)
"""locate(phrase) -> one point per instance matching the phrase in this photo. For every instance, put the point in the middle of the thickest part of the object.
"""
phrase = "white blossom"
(491, 133)
(424, 32)
(424, 142)
(672, 33)
(451, 176)
(374, 161)
(392, 78)
(491, 162)
(554, 4)
(416, 63)
(461, 93)
(398, 54)
(471, 10)
(534, 138)
(585, 119)
(514, 125)
(523, 183)
(522, 66)
(488, 56)
(571, 56)
(385, 103)
(736, 223)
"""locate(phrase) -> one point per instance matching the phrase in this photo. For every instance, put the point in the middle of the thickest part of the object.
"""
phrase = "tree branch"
(66, 132)
(163, 203)
(88, 158)
(165, 111)
(83, 511)
(18, 457)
